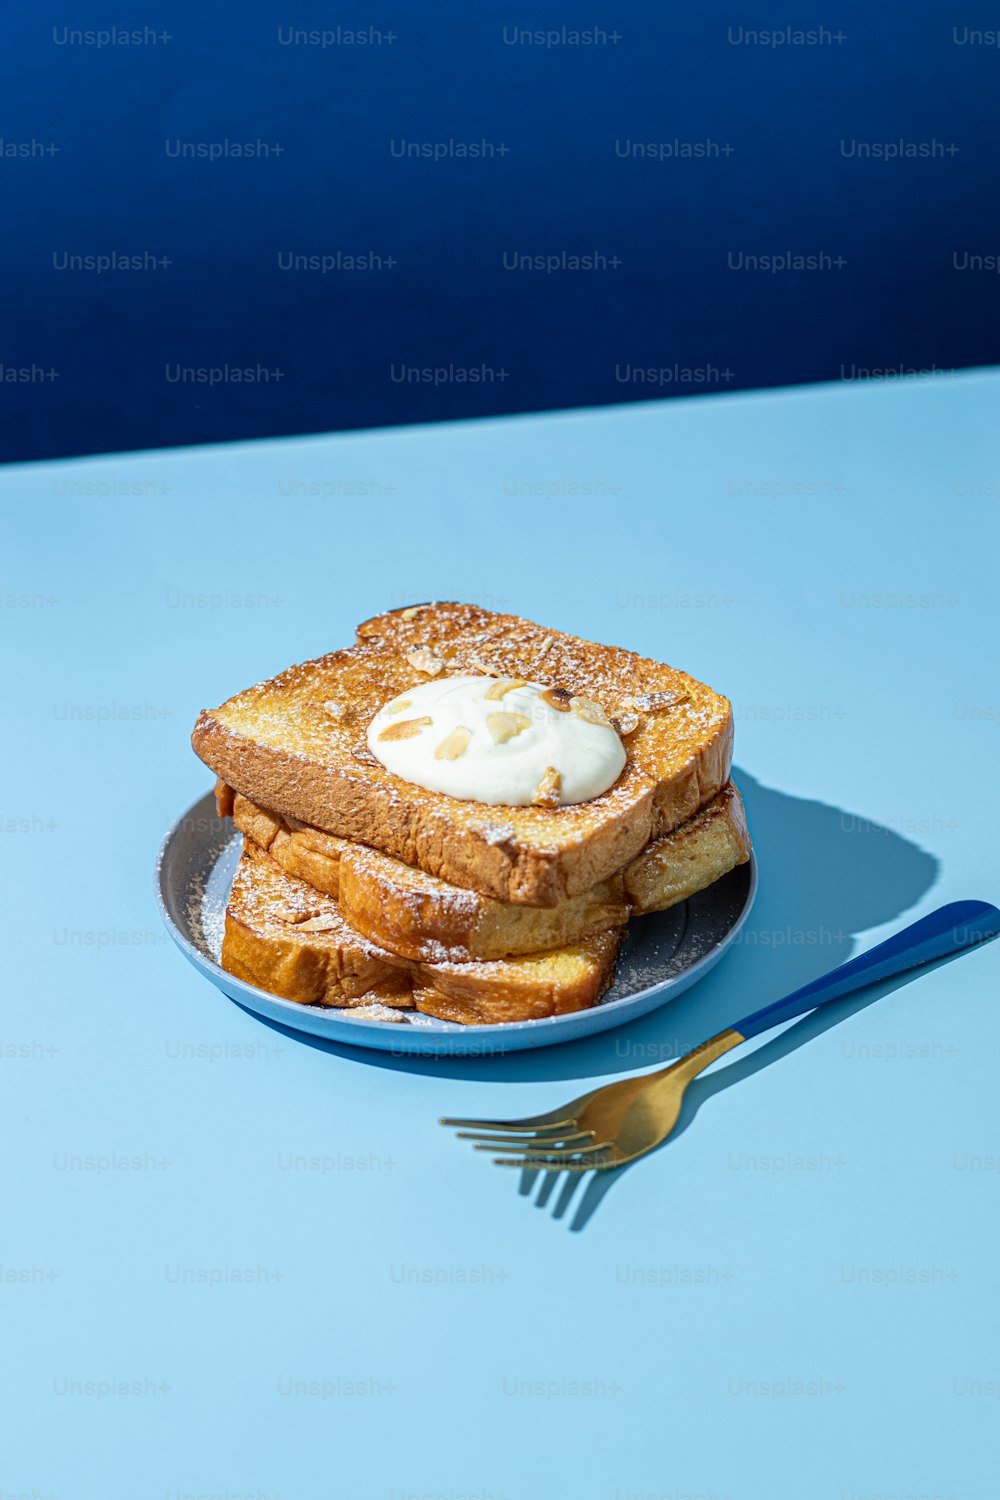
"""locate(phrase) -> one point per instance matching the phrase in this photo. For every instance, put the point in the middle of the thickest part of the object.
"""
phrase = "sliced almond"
(453, 745)
(506, 685)
(424, 660)
(626, 722)
(397, 706)
(549, 789)
(652, 702)
(589, 711)
(557, 698)
(324, 923)
(405, 729)
(411, 613)
(545, 647)
(294, 915)
(482, 666)
(335, 710)
(503, 726)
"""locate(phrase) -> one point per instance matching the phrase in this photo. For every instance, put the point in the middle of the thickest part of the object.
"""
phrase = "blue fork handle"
(960, 924)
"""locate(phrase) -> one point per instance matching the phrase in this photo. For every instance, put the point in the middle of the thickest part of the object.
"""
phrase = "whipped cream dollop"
(502, 741)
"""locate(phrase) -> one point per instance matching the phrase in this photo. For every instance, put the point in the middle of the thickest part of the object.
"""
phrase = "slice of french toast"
(294, 942)
(691, 858)
(286, 938)
(296, 744)
(421, 917)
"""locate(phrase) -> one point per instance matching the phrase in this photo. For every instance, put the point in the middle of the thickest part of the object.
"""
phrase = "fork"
(621, 1121)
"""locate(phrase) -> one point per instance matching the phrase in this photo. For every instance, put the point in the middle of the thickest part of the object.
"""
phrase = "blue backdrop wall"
(225, 223)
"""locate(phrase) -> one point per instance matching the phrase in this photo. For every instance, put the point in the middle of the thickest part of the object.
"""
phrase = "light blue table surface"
(240, 1264)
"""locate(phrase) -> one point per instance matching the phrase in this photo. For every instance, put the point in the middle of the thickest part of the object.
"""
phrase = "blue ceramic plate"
(662, 955)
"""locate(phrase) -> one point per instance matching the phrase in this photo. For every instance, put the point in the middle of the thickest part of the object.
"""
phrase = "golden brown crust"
(268, 943)
(421, 917)
(295, 744)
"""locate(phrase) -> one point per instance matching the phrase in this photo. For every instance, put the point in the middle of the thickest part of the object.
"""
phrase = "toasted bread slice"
(283, 936)
(297, 744)
(529, 988)
(697, 854)
(424, 918)
(287, 938)
(420, 917)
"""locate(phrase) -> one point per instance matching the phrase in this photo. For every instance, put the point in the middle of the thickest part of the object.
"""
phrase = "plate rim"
(389, 1032)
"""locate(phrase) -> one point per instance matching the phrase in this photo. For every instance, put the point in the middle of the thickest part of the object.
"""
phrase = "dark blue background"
(562, 339)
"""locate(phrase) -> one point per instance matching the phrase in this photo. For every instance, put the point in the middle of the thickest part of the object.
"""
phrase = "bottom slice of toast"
(286, 937)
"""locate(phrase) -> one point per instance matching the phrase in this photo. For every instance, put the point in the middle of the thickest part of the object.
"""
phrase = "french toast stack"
(360, 889)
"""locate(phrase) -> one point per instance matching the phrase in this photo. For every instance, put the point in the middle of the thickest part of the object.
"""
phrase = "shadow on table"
(825, 875)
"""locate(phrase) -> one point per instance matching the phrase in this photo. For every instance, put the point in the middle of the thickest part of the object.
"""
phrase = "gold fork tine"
(536, 1143)
(519, 1138)
(539, 1122)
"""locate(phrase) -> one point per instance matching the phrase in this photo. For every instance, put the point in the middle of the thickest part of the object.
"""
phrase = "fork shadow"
(718, 1078)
